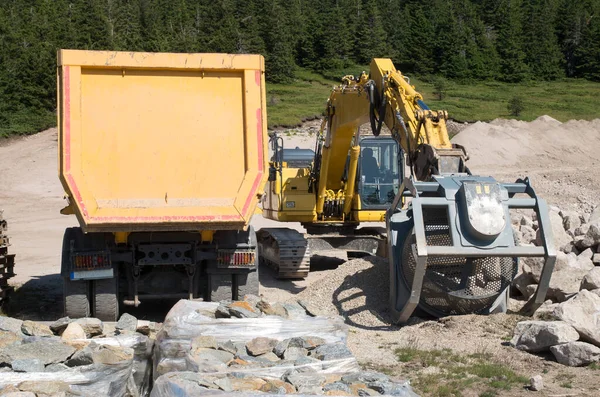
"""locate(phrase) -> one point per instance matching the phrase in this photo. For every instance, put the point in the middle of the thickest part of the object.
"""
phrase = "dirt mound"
(543, 141)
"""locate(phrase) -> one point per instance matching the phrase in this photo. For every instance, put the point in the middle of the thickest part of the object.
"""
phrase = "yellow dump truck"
(163, 159)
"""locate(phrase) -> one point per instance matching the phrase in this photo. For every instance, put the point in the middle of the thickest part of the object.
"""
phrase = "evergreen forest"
(465, 40)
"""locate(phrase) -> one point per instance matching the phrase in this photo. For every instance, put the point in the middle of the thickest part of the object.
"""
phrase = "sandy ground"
(562, 161)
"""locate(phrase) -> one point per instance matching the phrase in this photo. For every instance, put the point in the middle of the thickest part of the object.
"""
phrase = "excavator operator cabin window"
(378, 172)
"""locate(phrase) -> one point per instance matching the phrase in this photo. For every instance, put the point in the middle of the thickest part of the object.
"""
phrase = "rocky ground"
(462, 355)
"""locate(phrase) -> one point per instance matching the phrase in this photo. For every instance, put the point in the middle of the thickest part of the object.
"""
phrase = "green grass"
(25, 122)
(305, 98)
(456, 373)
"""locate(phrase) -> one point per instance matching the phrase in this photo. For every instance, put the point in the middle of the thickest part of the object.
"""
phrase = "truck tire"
(105, 299)
(75, 293)
(76, 298)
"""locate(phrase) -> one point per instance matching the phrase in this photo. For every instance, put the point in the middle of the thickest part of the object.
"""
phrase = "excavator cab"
(380, 170)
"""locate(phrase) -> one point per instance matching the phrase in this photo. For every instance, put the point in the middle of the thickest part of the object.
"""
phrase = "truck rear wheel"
(75, 292)
(105, 299)
(76, 298)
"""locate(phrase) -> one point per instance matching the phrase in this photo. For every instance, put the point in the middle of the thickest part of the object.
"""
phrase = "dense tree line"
(507, 40)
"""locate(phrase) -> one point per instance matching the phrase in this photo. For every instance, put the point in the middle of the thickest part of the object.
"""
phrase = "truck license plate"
(92, 274)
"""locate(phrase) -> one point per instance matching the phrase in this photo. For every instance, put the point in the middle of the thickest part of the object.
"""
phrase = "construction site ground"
(463, 355)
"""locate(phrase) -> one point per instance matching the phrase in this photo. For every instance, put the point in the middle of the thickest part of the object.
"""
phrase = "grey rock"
(281, 346)
(561, 237)
(81, 357)
(110, 355)
(48, 352)
(309, 362)
(576, 354)
(582, 230)
(596, 259)
(528, 234)
(60, 325)
(592, 237)
(311, 342)
(59, 367)
(581, 312)
(337, 386)
(167, 365)
(294, 353)
(310, 309)
(241, 312)
(233, 348)
(8, 338)
(587, 254)
(260, 345)
(591, 281)
(48, 387)
(27, 365)
(527, 221)
(222, 312)
(305, 380)
(546, 311)
(127, 322)
(270, 357)
(294, 310)
(565, 283)
(331, 351)
(224, 384)
(19, 394)
(252, 299)
(536, 383)
(522, 281)
(144, 327)
(365, 377)
(11, 325)
(33, 339)
(203, 354)
(571, 220)
(204, 341)
(538, 336)
(91, 326)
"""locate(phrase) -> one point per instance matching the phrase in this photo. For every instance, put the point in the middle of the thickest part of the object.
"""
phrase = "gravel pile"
(358, 290)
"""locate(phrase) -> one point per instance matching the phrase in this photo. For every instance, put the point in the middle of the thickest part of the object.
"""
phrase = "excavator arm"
(451, 244)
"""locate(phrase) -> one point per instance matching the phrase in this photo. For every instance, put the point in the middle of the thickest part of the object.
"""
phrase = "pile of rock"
(577, 237)
(572, 333)
(292, 382)
(84, 356)
(252, 346)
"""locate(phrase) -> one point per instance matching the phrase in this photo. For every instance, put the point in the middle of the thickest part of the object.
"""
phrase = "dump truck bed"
(156, 141)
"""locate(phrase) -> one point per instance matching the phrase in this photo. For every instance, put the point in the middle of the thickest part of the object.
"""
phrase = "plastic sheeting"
(189, 319)
(186, 384)
(130, 377)
(88, 380)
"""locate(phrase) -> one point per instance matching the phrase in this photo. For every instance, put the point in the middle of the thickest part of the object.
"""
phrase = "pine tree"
(280, 53)
(370, 37)
(541, 45)
(510, 46)
(589, 55)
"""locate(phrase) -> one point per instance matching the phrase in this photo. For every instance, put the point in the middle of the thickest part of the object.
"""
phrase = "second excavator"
(449, 239)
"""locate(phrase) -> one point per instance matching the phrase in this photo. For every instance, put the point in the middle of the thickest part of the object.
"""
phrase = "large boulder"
(591, 281)
(32, 328)
(592, 237)
(48, 352)
(561, 237)
(581, 312)
(565, 283)
(538, 336)
(260, 345)
(576, 354)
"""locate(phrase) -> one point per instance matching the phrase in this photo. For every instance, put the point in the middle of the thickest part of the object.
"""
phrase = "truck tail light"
(236, 258)
(90, 260)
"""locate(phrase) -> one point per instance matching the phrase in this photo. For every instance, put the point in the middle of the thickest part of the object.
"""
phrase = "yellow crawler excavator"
(450, 243)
